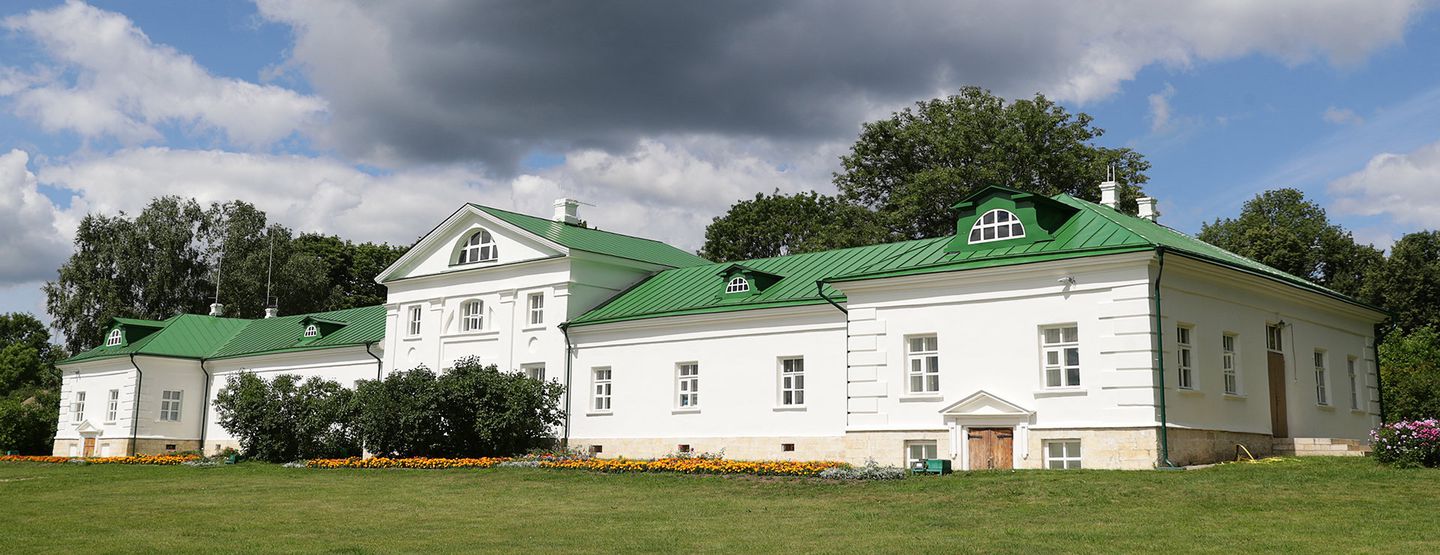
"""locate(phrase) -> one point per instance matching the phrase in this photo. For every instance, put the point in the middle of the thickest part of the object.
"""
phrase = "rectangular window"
(1273, 340)
(1184, 363)
(414, 327)
(471, 317)
(1060, 349)
(1228, 361)
(922, 353)
(1322, 393)
(77, 408)
(917, 452)
(792, 381)
(170, 406)
(112, 407)
(687, 385)
(534, 370)
(537, 309)
(1062, 454)
(600, 380)
(1354, 383)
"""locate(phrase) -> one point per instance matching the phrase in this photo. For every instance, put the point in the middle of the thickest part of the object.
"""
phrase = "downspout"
(1379, 379)
(135, 408)
(820, 288)
(569, 352)
(204, 406)
(1160, 363)
(379, 364)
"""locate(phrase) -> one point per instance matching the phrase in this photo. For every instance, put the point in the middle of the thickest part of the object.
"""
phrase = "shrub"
(871, 471)
(1410, 368)
(1408, 443)
(286, 419)
(472, 410)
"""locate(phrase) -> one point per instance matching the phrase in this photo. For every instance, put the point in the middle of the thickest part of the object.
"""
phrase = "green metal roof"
(1092, 230)
(207, 337)
(596, 241)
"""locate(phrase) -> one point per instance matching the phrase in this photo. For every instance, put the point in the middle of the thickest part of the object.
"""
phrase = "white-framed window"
(687, 384)
(472, 315)
(112, 406)
(792, 381)
(922, 364)
(1354, 383)
(737, 284)
(312, 331)
(600, 380)
(534, 370)
(1229, 364)
(1322, 387)
(77, 407)
(1274, 340)
(1184, 363)
(170, 405)
(996, 225)
(479, 248)
(1062, 454)
(1060, 351)
(537, 308)
(919, 451)
(413, 322)
(115, 338)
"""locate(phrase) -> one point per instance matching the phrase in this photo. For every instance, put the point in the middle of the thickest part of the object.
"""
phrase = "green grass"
(1295, 505)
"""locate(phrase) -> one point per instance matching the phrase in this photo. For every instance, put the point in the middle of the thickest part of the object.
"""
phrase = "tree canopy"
(777, 224)
(1408, 282)
(29, 385)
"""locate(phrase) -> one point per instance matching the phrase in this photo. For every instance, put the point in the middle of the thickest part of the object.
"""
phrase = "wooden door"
(89, 450)
(1279, 424)
(991, 448)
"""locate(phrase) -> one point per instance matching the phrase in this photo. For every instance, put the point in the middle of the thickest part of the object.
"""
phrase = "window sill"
(411, 338)
(600, 413)
(789, 408)
(1235, 396)
(921, 398)
(1062, 392)
(687, 410)
(1359, 411)
(1328, 408)
(464, 334)
(536, 327)
(1189, 392)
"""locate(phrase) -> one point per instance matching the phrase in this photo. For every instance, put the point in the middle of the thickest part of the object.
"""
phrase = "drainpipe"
(135, 408)
(1379, 380)
(204, 405)
(379, 365)
(820, 288)
(569, 352)
(1160, 363)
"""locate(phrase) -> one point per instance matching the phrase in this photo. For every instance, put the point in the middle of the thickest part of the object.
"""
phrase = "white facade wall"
(97, 379)
(1215, 301)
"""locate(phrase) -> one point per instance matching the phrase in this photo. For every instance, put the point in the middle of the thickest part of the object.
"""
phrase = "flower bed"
(33, 458)
(696, 465)
(408, 462)
(137, 459)
(1408, 443)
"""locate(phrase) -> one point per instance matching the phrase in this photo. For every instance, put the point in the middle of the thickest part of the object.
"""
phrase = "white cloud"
(34, 244)
(105, 78)
(1402, 187)
(1341, 116)
(1160, 109)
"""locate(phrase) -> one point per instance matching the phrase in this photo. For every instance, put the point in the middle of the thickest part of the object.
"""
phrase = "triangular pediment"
(86, 427)
(438, 252)
(982, 403)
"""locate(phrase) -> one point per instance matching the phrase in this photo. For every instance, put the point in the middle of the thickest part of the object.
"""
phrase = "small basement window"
(787, 447)
(738, 284)
(996, 225)
(597, 449)
(683, 448)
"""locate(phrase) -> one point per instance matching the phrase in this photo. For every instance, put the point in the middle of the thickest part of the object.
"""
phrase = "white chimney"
(565, 210)
(271, 312)
(217, 309)
(1147, 208)
(1108, 194)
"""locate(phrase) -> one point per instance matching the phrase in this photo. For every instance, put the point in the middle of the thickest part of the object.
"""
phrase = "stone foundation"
(120, 447)
(738, 448)
(888, 448)
(1109, 448)
(1191, 447)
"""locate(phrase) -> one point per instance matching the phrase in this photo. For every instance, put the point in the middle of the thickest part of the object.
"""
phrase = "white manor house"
(1048, 332)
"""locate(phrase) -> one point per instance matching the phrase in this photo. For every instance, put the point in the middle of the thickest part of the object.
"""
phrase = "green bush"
(1410, 368)
(471, 410)
(1408, 443)
(286, 419)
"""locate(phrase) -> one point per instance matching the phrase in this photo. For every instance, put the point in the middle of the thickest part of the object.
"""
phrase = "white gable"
(439, 251)
(982, 404)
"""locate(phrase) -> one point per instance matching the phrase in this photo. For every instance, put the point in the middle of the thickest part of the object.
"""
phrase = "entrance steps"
(1319, 447)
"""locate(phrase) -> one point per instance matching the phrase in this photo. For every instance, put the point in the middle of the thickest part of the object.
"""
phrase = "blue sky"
(375, 122)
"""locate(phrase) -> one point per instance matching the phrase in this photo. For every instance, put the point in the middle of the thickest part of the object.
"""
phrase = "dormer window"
(996, 225)
(480, 248)
(312, 331)
(737, 284)
(114, 338)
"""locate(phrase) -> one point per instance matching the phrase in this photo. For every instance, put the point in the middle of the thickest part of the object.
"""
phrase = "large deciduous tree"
(1284, 230)
(1408, 282)
(1410, 371)
(775, 225)
(911, 167)
(29, 385)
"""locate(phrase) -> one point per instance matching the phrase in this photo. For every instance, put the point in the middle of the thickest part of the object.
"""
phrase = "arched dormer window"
(480, 248)
(737, 284)
(114, 338)
(312, 331)
(472, 316)
(996, 225)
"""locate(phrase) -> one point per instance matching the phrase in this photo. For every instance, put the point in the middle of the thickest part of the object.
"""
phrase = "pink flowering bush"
(1408, 443)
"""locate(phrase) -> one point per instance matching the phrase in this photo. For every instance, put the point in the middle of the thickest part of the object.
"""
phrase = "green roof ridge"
(598, 240)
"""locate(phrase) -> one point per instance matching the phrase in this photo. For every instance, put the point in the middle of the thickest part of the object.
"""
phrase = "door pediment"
(86, 427)
(982, 404)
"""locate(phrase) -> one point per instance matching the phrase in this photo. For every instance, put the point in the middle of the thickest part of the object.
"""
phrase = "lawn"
(1294, 505)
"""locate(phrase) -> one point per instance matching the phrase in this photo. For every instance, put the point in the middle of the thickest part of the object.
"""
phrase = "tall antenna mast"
(269, 266)
(217, 309)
